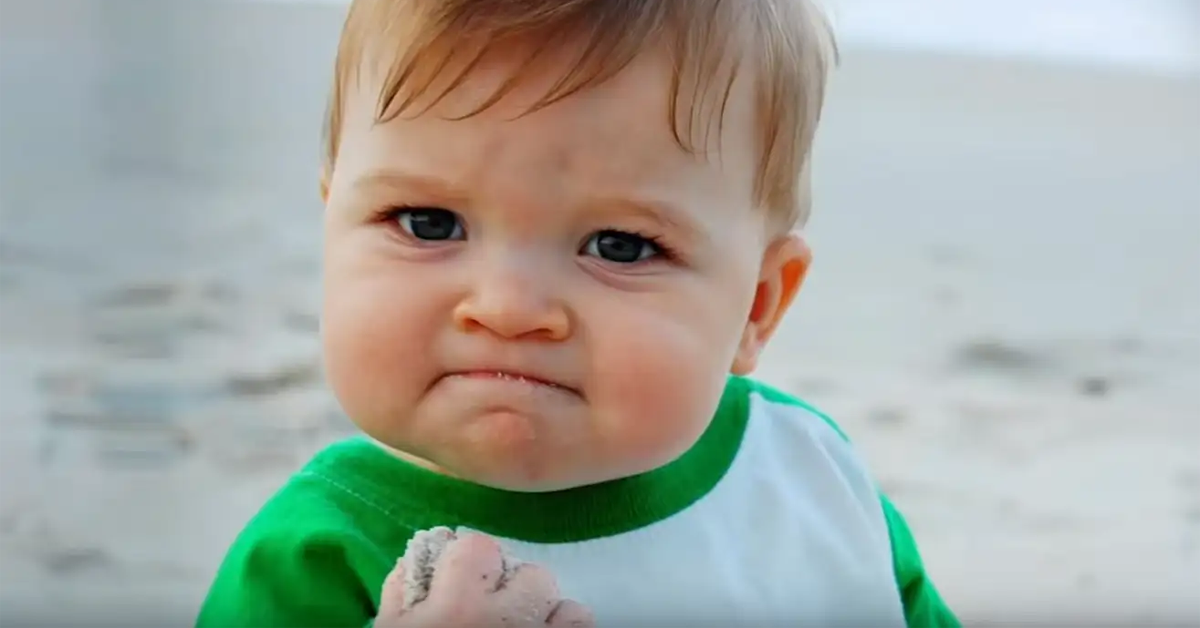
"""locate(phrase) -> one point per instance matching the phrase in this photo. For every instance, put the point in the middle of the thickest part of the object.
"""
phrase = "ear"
(784, 266)
(324, 184)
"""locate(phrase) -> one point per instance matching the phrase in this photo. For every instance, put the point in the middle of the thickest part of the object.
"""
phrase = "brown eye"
(431, 224)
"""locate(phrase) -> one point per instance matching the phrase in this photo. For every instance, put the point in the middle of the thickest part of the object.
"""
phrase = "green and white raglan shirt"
(770, 519)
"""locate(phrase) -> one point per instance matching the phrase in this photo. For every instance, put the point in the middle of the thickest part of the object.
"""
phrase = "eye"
(621, 247)
(431, 224)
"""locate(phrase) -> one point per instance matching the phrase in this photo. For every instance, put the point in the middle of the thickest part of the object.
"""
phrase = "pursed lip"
(514, 375)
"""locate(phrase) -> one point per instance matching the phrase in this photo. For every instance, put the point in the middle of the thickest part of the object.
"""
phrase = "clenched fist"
(466, 580)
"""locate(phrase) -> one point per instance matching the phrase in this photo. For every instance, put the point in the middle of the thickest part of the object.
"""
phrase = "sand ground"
(1004, 311)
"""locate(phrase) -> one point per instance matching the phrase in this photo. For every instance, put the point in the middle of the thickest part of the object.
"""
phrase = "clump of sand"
(420, 559)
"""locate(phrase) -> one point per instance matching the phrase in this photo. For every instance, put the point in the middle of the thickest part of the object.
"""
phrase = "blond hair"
(787, 43)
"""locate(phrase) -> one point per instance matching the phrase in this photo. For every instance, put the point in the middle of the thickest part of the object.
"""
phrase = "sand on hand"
(420, 562)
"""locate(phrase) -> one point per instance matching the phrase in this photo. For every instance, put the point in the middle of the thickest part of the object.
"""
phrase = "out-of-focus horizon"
(1155, 36)
(1004, 310)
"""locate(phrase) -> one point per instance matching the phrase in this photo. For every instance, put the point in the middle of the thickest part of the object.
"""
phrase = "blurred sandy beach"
(1004, 311)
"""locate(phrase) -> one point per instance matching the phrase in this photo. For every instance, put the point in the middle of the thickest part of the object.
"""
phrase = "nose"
(508, 300)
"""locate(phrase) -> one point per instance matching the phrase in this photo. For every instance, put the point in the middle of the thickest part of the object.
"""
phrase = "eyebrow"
(425, 185)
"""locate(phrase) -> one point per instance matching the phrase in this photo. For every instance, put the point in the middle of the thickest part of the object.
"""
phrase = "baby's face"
(538, 302)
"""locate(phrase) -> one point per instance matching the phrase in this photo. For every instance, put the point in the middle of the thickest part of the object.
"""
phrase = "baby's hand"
(470, 588)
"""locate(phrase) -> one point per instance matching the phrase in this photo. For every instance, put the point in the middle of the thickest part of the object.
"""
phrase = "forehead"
(616, 134)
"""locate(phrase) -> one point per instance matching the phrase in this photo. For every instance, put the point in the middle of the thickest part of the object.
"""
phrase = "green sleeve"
(283, 571)
(923, 606)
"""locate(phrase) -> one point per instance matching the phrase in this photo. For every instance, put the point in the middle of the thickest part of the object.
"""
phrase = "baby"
(558, 235)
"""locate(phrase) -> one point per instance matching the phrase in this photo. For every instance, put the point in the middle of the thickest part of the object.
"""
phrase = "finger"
(570, 614)
(531, 579)
(531, 589)
(471, 562)
(391, 603)
(395, 578)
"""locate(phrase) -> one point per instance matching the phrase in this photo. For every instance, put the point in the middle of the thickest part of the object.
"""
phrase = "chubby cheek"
(372, 331)
(657, 381)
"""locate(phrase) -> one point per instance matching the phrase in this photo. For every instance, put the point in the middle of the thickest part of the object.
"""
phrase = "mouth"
(513, 377)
